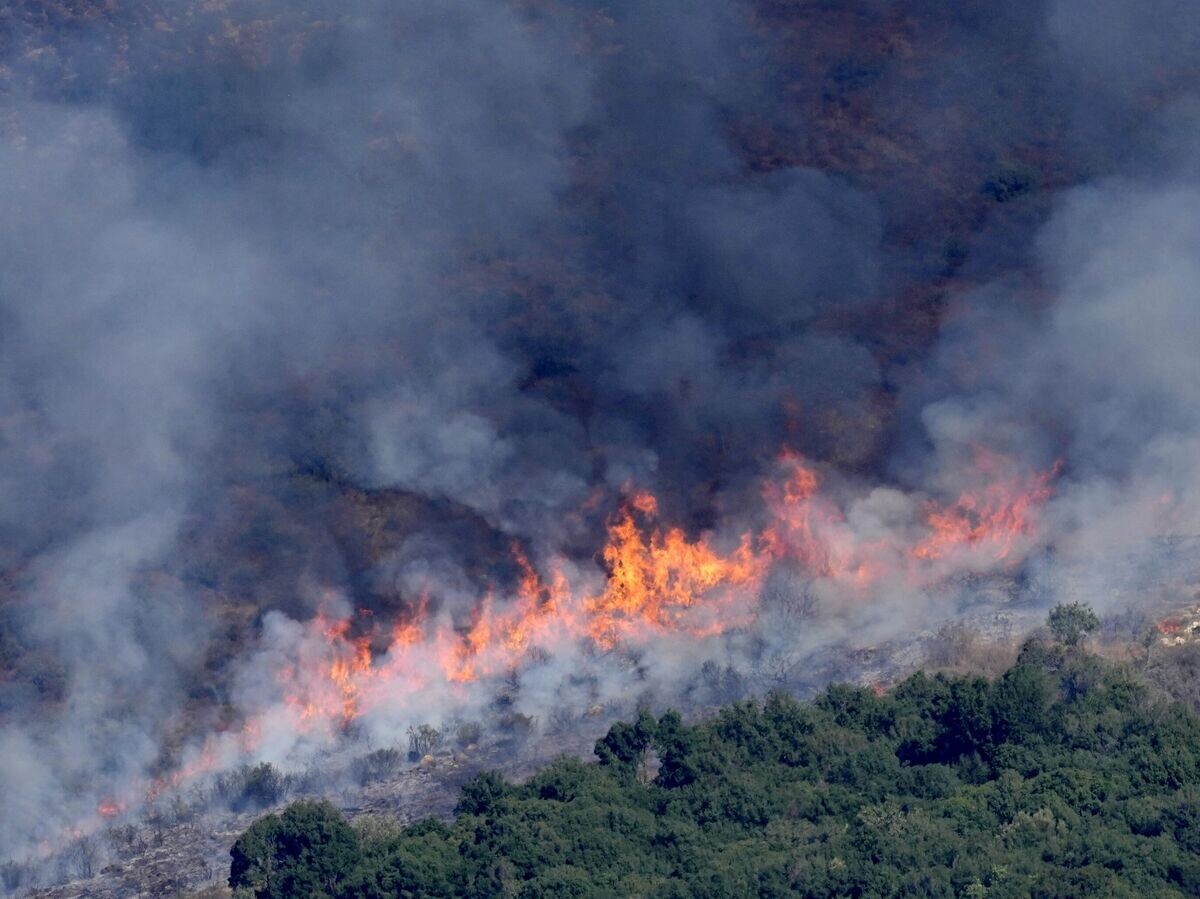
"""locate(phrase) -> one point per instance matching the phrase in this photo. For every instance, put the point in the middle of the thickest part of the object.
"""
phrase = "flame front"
(654, 577)
(990, 520)
(656, 581)
(661, 581)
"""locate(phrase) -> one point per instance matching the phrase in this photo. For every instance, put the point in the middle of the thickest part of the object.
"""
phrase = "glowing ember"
(110, 808)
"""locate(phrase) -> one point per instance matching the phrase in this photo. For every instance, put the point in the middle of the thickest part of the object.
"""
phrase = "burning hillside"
(654, 582)
(375, 367)
(651, 583)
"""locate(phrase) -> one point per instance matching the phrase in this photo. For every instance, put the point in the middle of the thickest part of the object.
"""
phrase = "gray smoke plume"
(312, 313)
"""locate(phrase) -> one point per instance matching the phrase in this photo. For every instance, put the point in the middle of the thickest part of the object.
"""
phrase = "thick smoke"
(1104, 378)
(214, 274)
(326, 318)
(1088, 358)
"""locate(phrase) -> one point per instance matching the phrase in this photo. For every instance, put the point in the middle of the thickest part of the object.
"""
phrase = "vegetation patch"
(1064, 777)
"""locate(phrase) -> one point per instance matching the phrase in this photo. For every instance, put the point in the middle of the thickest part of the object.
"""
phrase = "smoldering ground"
(298, 302)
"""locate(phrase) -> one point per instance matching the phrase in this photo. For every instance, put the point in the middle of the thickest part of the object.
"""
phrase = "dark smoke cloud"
(449, 270)
(181, 255)
(1104, 379)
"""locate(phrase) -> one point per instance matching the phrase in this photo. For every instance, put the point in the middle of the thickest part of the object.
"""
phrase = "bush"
(1057, 779)
(305, 853)
(375, 766)
(468, 734)
(252, 788)
(1071, 622)
(422, 741)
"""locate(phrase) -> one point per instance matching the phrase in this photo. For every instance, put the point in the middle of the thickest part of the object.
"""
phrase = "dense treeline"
(1062, 778)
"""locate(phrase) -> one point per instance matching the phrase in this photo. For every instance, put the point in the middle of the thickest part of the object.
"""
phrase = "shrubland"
(1067, 775)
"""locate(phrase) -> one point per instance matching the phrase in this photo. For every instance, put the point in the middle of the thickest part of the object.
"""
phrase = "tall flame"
(654, 576)
(657, 581)
(991, 519)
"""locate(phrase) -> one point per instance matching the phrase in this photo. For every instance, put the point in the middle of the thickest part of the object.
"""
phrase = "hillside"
(392, 391)
(1062, 778)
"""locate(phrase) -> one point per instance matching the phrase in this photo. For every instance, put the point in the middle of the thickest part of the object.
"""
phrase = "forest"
(1066, 776)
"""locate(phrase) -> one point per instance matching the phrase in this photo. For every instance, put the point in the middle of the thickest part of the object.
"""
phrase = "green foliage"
(309, 850)
(626, 744)
(1071, 622)
(1062, 778)
(482, 795)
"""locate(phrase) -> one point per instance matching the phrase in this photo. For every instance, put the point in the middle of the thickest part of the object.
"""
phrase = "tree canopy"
(1064, 777)
(1071, 622)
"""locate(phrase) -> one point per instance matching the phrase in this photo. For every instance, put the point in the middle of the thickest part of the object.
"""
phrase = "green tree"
(255, 858)
(1062, 778)
(305, 853)
(626, 744)
(481, 794)
(1071, 622)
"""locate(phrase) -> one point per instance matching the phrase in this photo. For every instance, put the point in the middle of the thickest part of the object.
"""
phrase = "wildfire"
(204, 763)
(654, 576)
(346, 670)
(993, 519)
(110, 808)
(657, 580)
(804, 525)
(459, 658)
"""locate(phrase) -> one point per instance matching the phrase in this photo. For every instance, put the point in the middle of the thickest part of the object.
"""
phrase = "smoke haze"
(325, 333)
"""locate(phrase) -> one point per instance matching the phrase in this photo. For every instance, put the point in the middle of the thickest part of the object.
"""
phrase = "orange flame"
(658, 581)
(110, 808)
(992, 520)
(803, 522)
(653, 577)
